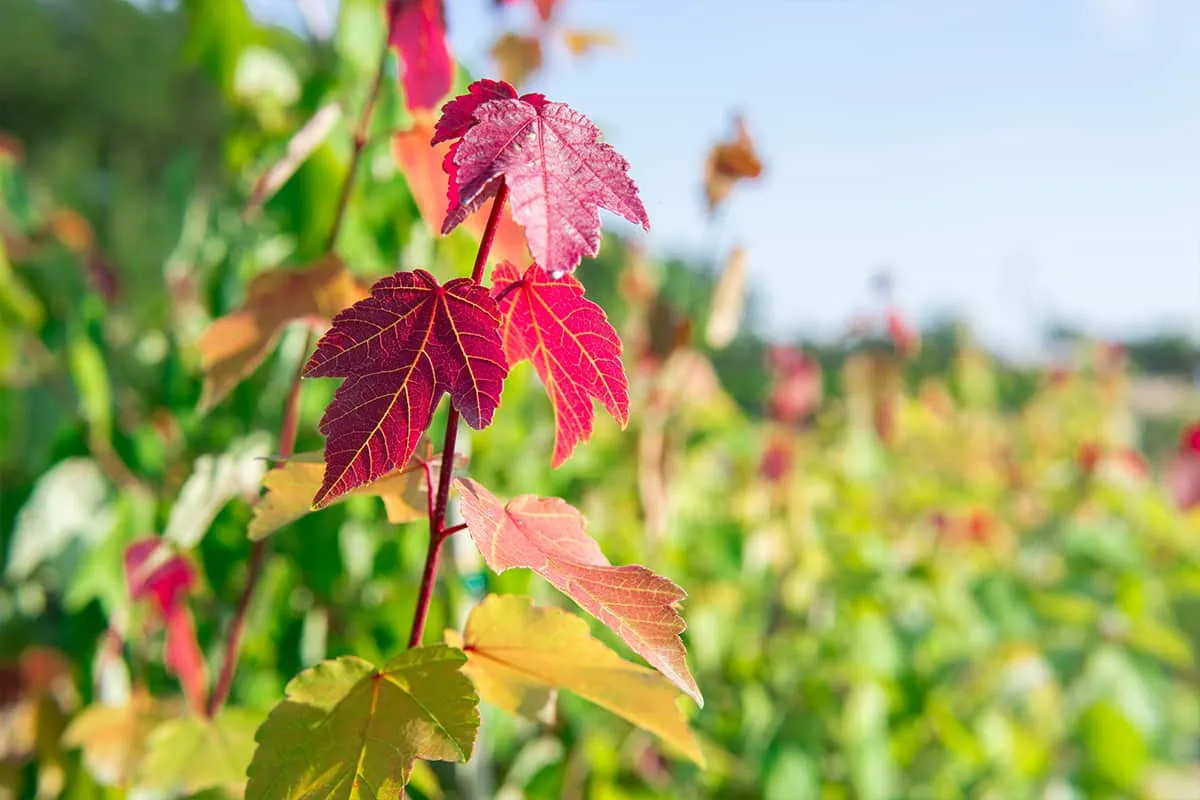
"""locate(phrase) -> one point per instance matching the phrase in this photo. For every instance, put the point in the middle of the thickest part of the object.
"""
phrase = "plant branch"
(258, 551)
(291, 413)
(437, 520)
(360, 144)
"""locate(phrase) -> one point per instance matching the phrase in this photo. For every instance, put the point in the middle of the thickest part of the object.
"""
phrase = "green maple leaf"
(348, 729)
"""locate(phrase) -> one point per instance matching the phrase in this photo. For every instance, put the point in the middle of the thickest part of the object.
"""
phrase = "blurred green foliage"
(956, 603)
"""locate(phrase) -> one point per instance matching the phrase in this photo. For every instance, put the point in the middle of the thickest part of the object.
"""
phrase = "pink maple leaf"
(557, 170)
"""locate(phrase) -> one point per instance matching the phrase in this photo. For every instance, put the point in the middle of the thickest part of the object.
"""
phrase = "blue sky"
(1013, 160)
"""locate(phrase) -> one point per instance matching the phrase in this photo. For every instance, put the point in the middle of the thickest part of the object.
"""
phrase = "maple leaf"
(291, 485)
(417, 29)
(518, 653)
(422, 167)
(570, 343)
(154, 572)
(234, 345)
(558, 172)
(399, 350)
(547, 535)
(114, 739)
(348, 729)
(729, 162)
(517, 56)
(188, 755)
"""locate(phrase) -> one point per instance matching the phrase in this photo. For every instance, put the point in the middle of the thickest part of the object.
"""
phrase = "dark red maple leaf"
(558, 172)
(417, 29)
(399, 350)
(570, 343)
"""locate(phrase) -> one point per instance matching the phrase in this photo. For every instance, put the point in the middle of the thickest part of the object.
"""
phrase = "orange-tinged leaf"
(582, 42)
(729, 162)
(183, 658)
(400, 349)
(517, 57)
(291, 485)
(348, 729)
(114, 738)
(234, 345)
(72, 230)
(570, 343)
(547, 535)
(422, 167)
(518, 653)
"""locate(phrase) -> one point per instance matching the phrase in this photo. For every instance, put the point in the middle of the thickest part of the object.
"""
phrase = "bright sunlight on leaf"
(547, 535)
(195, 753)
(558, 172)
(291, 485)
(570, 343)
(399, 350)
(518, 652)
(349, 730)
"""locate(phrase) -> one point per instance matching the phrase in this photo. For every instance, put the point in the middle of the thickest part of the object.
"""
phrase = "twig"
(360, 144)
(437, 520)
(291, 413)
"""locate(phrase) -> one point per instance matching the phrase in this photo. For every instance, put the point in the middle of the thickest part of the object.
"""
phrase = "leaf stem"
(291, 413)
(438, 532)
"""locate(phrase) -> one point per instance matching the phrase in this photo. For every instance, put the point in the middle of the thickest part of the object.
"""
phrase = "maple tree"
(355, 728)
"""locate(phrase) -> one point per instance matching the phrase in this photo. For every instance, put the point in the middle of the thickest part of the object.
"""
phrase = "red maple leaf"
(417, 29)
(155, 573)
(570, 343)
(547, 535)
(549, 155)
(422, 167)
(399, 350)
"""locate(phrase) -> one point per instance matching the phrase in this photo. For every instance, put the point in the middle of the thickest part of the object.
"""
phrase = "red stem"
(437, 520)
(291, 412)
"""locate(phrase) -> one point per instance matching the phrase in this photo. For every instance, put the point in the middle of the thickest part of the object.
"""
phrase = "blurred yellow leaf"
(518, 655)
(517, 57)
(292, 485)
(114, 738)
(728, 301)
(582, 42)
(233, 346)
(191, 754)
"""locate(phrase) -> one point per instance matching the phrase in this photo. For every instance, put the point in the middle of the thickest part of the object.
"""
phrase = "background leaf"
(349, 730)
